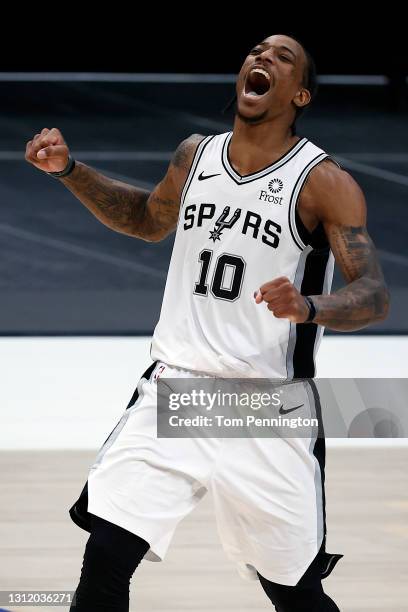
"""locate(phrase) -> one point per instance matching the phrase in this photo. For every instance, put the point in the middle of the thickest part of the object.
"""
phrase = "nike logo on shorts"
(283, 411)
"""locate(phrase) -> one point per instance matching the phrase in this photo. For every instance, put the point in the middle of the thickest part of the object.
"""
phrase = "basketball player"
(260, 216)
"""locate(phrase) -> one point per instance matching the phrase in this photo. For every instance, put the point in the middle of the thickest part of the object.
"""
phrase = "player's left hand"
(283, 300)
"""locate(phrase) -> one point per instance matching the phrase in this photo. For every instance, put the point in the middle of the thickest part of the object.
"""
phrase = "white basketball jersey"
(235, 233)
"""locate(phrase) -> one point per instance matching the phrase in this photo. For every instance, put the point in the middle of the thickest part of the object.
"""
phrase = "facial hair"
(252, 120)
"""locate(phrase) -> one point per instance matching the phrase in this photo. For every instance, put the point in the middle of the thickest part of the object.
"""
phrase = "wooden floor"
(367, 506)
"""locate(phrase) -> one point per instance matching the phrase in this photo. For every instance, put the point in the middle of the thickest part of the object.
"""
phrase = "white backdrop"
(59, 393)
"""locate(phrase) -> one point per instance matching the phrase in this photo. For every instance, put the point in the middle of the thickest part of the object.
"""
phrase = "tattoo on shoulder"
(184, 152)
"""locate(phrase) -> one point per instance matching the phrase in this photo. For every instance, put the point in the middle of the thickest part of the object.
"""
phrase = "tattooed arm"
(122, 207)
(332, 196)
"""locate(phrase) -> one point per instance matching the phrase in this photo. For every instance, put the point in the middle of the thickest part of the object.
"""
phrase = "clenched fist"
(283, 299)
(48, 151)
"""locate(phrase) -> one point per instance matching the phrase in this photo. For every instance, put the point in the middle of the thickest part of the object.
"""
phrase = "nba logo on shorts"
(159, 372)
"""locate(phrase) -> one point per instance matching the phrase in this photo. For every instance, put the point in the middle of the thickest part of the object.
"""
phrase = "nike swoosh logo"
(202, 177)
(283, 411)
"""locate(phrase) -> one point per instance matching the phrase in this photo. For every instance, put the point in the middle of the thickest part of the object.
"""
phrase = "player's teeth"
(261, 71)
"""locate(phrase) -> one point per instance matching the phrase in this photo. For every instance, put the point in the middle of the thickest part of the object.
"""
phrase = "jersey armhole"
(317, 239)
(194, 163)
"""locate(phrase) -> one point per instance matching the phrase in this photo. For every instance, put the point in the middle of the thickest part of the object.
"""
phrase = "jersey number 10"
(227, 276)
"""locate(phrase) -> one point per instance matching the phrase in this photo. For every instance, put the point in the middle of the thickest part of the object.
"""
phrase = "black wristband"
(67, 170)
(312, 309)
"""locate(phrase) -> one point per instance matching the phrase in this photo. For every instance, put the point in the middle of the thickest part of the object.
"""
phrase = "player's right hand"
(48, 151)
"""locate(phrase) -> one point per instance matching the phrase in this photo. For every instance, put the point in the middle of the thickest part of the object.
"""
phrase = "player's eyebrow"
(263, 44)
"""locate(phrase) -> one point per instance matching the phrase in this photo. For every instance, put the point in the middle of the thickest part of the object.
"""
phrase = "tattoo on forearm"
(129, 209)
(117, 204)
(365, 299)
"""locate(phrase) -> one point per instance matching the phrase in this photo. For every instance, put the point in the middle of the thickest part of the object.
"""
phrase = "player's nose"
(267, 56)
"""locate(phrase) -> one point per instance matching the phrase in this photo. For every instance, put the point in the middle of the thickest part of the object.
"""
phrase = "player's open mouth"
(257, 83)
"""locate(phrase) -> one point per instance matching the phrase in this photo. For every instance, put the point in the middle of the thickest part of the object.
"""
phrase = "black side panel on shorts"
(146, 375)
(326, 561)
(79, 511)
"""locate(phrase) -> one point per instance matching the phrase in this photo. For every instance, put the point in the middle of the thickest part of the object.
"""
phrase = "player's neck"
(253, 147)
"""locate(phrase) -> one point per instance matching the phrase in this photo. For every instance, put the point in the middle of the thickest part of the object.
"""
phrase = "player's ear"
(302, 97)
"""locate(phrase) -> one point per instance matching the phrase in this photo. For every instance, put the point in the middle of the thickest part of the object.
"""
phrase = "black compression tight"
(111, 556)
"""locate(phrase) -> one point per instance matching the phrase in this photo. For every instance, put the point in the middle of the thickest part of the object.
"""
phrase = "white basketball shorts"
(268, 492)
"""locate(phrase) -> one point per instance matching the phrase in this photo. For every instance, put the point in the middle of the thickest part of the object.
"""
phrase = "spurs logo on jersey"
(222, 222)
(229, 241)
(252, 223)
